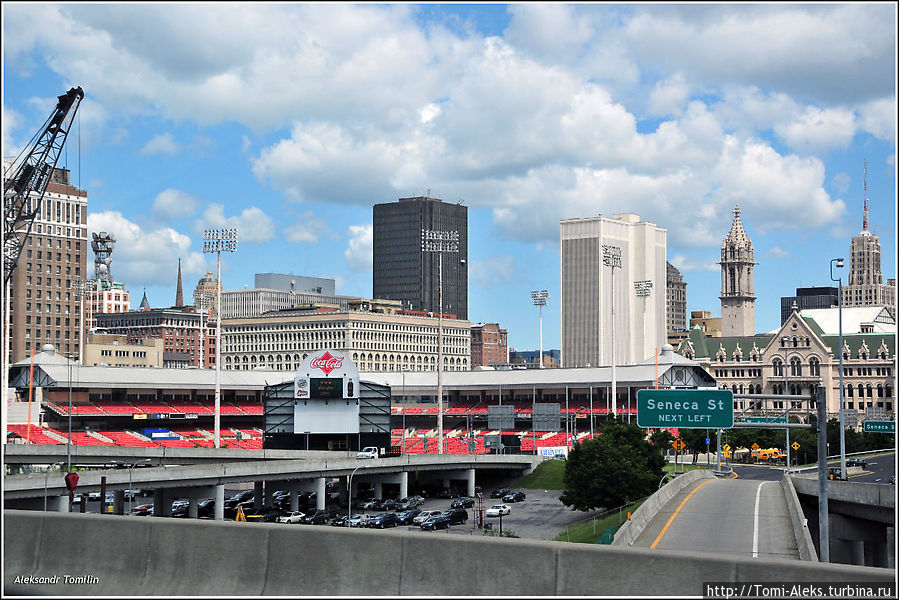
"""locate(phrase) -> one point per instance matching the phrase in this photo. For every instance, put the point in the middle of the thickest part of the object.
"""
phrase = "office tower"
(676, 301)
(737, 285)
(806, 298)
(595, 252)
(402, 268)
(44, 308)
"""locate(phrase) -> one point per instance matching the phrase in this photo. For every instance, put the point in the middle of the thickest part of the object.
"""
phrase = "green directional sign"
(879, 426)
(689, 409)
(765, 419)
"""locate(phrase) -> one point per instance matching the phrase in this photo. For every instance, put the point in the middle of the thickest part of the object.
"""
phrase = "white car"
(368, 452)
(293, 517)
(498, 510)
(424, 516)
(359, 520)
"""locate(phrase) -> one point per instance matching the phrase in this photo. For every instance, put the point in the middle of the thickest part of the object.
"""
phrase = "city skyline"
(304, 116)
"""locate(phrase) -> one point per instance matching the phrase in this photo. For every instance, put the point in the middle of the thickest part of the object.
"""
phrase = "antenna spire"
(865, 221)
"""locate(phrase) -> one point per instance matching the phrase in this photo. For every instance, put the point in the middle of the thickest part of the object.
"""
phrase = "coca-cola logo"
(327, 363)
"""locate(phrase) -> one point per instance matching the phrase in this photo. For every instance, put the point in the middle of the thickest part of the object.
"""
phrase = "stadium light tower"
(218, 241)
(439, 242)
(611, 257)
(539, 299)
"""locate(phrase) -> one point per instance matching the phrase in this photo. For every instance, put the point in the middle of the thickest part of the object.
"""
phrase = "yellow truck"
(767, 455)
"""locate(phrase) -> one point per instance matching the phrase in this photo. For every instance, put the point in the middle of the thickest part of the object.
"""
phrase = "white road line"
(755, 522)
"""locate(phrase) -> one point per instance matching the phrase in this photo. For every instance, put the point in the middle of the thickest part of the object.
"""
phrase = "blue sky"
(289, 121)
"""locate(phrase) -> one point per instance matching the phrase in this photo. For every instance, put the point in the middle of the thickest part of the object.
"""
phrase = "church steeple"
(179, 294)
(144, 303)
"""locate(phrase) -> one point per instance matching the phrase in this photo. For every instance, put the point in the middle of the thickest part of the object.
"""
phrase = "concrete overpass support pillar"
(60, 503)
(220, 502)
(856, 551)
(118, 502)
(192, 512)
(445, 483)
(258, 495)
(470, 480)
(320, 493)
(379, 489)
(891, 552)
(877, 553)
(404, 484)
(162, 503)
(294, 500)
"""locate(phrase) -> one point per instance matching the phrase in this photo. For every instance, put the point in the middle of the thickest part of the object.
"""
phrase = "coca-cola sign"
(326, 363)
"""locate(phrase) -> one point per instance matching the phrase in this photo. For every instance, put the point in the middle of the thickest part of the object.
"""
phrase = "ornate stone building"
(737, 286)
(756, 365)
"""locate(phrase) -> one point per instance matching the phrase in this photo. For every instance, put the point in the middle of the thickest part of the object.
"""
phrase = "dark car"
(142, 510)
(513, 497)
(372, 504)
(499, 493)
(456, 516)
(857, 462)
(463, 502)
(319, 517)
(409, 502)
(340, 521)
(388, 504)
(386, 520)
(405, 517)
(206, 508)
(438, 522)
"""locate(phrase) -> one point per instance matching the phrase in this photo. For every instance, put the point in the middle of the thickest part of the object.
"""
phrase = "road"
(725, 516)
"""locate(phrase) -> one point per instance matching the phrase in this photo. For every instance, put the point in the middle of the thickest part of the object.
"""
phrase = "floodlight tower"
(539, 299)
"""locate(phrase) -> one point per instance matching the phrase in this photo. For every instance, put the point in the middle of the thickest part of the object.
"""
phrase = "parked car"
(340, 521)
(857, 462)
(266, 515)
(514, 497)
(456, 516)
(499, 493)
(424, 516)
(463, 502)
(319, 517)
(142, 510)
(294, 517)
(373, 504)
(206, 508)
(388, 504)
(358, 520)
(405, 517)
(436, 522)
(498, 510)
(368, 452)
(388, 519)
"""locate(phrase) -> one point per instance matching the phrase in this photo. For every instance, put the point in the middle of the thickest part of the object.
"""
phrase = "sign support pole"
(719, 449)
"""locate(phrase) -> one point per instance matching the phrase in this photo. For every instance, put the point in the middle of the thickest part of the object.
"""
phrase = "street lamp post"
(69, 444)
(784, 341)
(539, 298)
(611, 257)
(643, 289)
(82, 288)
(839, 280)
(404, 369)
(439, 242)
(131, 485)
(349, 491)
(218, 241)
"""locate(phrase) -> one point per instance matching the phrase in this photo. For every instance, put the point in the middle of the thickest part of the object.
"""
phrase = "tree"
(612, 469)
(694, 440)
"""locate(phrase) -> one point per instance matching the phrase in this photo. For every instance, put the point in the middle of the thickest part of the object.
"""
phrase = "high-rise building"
(675, 301)
(295, 283)
(612, 267)
(865, 286)
(403, 269)
(805, 298)
(489, 345)
(737, 284)
(43, 304)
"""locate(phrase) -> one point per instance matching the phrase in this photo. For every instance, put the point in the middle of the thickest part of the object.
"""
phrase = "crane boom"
(25, 182)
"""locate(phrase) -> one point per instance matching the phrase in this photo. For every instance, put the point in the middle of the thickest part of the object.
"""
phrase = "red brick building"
(489, 345)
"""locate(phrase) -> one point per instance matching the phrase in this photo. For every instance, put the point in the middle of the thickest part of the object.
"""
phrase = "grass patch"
(589, 531)
(548, 475)
(669, 467)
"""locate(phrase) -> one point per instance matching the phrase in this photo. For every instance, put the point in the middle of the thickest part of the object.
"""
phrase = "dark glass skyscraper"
(402, 270)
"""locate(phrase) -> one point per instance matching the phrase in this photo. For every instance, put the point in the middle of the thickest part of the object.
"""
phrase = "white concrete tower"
(737, 287)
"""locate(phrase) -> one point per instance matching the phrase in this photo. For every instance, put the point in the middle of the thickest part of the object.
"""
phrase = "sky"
(290, 121)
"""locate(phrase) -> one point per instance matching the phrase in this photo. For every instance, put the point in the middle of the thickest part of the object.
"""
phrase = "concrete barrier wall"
(146, 556)
(631, 530)
(804, 541)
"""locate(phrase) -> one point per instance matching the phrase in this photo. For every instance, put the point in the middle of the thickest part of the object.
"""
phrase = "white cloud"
(163, 143)
(878, 118)
(778, 252)
(841, 182)
(816, 129)
(358, 254)
(253, 225)
(307, 229)
(493, 271)
(11, 122)
(685, 264)
(174, 204)
(145, 258)
(669, 97)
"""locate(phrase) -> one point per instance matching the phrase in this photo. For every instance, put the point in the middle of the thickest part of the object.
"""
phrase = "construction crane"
(26, 179)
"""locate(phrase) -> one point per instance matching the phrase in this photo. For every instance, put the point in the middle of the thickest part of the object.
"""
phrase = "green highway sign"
(877, 426)
(765, 419)
(689, 409)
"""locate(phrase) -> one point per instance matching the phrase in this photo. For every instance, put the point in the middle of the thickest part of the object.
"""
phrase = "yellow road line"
(668, 524)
